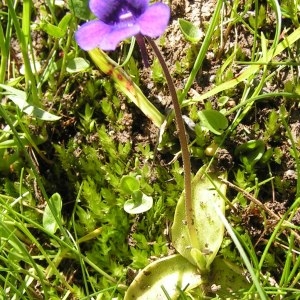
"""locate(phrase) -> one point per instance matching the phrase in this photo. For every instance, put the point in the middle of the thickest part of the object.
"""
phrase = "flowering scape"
(121, 19)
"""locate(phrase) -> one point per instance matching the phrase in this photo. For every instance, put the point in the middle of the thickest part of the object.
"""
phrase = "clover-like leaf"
(207, 191)
(213, 120)
(129, 184)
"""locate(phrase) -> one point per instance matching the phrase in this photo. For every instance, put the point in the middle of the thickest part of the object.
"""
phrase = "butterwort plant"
(118, 20)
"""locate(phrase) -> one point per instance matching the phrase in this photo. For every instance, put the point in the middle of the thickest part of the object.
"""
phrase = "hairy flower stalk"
(189, 210)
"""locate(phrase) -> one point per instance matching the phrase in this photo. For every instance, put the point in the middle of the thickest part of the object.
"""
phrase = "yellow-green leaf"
(170, 273)
(210, 229)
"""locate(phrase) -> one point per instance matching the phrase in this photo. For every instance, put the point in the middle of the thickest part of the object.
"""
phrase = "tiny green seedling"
(258, 20)
(86, 120)
(272, 124)
(157, 72)
(139, 201)
(250, 153)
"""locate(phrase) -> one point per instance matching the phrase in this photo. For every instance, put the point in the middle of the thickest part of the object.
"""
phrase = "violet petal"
(106, 10)
(90, 34)
(154, 20)
(111, 40)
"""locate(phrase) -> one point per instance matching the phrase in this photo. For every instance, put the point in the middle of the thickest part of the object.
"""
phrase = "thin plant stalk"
(141, 43)
(66, 49)
(27, 257)
(190, 216)
(4, 55)
(26, 21)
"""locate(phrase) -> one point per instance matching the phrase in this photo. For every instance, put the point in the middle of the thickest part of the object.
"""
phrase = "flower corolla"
(121, 19)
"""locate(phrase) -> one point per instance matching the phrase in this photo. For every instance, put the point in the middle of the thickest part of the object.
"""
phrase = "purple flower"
(121, 19)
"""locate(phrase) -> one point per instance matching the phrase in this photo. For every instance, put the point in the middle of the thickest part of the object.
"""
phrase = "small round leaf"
(77, 64)
(213, 120)
(191, 32)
